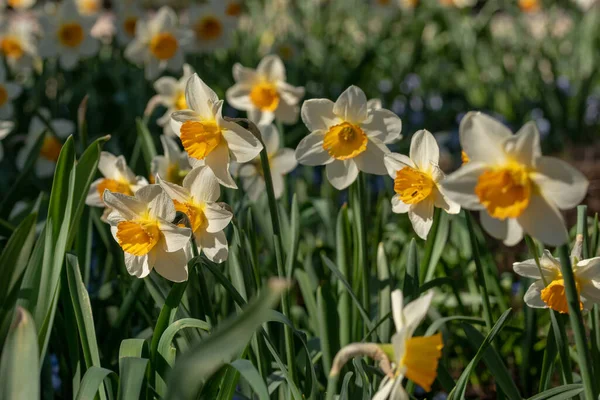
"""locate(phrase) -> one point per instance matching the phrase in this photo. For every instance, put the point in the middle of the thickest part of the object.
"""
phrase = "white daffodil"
(213, 27)
(6, 127)
(347, 136)
(159, 43)
(117, 177)
(128, 13)
(197, 198)
(67, 35)
(549, 292)
(89, 7)
(417, 182)
(281, 162)
(46, 162)
(8, 92)
(143, 227)
(413, 357)
(515, 187)
(173, 165)
(18, 42)
(170, 94)
(264, 93)
(209, 139)
(21, 4)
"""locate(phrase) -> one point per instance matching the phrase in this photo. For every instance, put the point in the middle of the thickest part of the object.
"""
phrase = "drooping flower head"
(143, 226)
(548, 291)
(264, 93)
(347, 136)
(207, 138)
(8, 92)
(417, 183)
(281, 162)
(66, 35)
(516, 188)
(213, 27)
(159, 43)
(117, 177)
(173, 166)
(197, 198)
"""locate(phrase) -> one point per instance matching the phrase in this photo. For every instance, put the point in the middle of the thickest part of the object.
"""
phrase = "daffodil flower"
(213, 27)
(66, 35)
(8, 92)
(549, 291)
(347, 136)
(417, 182)
(516, 188)
(46, 162)
(159, 43)
(142, 225)
(264, 93)
(5, 128)
(281, 162)
(128, 13)
(117, 177)
(18, 43)
(208, 138)
(197, 198)
(170, 94)
(173, 165)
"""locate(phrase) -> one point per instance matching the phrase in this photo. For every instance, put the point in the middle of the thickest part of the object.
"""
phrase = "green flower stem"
(585, 363)
(358, 206)
(558, 325)
(582, 230)
(429, 244)
(481, 274)
(285, 303)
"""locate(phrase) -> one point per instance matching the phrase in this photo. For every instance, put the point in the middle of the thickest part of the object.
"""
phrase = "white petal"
(374, 104)
(271, 68)
(68, 60)
(394, 162)
(175, 192)
(160, 205)
(398, 206)
(289, 94)
(544, 222)
(200, 97)
(341, 174)
(218, 161)
(175, 237)
(179, 117)
(214, 246)
(172, 266)
(13, 90)
(424, 150)
(317, 114)
(415, 311)
(260, 117)
(482, 138)
(238, 96)
(384, 390)
(507, 230)
(62, 127)
(218, 217)
(533, 296)
(93, 197)
(129, 207)
(270, 137)
(254, 186)
(243, 74)
(421, 217)
(397, 309)
(310, 150)
(398, 392)
(166, 86)
(529, 269)
(524, 147)
(384, 125)
(283, 162)
(589, 269)
(108, 165)
(278, 185)
(138, 266)
(351, 106)
(460, 185)
(559, 182)
(287, 113)
(371, 160)
(243, 145)
(441, 200)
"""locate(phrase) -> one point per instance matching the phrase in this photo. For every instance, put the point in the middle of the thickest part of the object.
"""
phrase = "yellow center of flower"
(412, 185)
(555, 296)
(464, 157)
(3, 95)
(138, 237)
(529, 5)
(180, 102)
(208, 28)
(344, 141)
(505, 191)
(421, 356)
(70, 34)
(164, 45)
(234, 9)
(50, 148)
(199, 138)
(89, 7)
(115, 186)
(15, 3)
(129, 25)
(195, 213)
(174, 174)
(264, 96)
(11, 47)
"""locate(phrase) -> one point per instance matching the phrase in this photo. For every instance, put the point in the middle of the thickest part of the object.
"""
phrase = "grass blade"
(251, 375)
